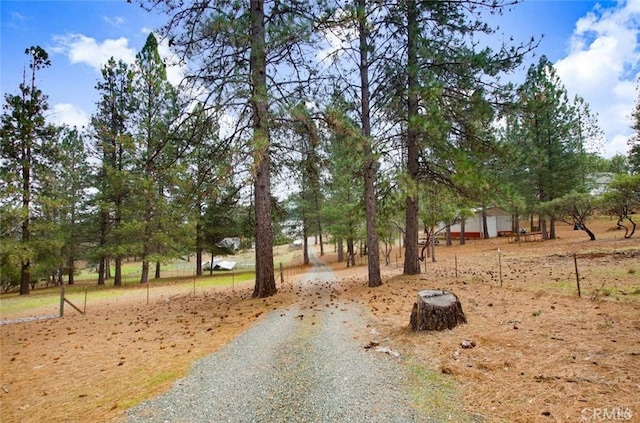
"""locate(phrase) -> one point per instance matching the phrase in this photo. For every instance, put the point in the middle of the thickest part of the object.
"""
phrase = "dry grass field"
(541, 353)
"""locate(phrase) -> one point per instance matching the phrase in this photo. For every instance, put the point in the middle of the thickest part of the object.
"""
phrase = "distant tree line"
(368, 121)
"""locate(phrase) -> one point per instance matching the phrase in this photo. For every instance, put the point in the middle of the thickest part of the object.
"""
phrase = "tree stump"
(436, 309)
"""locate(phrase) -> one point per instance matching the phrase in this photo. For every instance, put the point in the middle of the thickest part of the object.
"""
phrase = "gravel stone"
(289, 368)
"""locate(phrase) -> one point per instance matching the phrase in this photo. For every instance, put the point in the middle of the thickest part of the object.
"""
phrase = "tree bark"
(117, 278)
(411, 263)
(25, 269)
(628, 233)
(305, 242)
(485, 229)
(543, 227)
(432, 246)
(351, 255)
(199, 243)
(592, 236)
(436, 310)
(265, 285)
(370, 162)
(531, 222)
(107, 269)
(70, 270)
(144, 275)
(319, 222)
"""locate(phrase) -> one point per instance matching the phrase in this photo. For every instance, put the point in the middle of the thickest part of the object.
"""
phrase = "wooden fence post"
(281, 275)
(500, 267)
(575, 262)
(61, 300)
(456, 261)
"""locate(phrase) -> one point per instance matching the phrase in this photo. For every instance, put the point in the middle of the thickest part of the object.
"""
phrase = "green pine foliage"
(549, 137)
(377, 118)
(27, 145)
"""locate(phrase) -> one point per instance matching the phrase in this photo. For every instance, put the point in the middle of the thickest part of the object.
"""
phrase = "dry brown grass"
(542, 354)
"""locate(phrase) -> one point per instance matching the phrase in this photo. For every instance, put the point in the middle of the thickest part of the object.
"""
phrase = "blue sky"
(594, 45)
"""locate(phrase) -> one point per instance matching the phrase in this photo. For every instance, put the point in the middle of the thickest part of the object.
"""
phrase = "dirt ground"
(541, 353)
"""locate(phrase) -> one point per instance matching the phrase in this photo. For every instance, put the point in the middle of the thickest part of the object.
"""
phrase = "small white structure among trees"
(496, 221)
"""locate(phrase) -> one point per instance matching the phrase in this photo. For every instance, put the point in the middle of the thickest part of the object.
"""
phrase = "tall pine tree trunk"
(543, 227)
(25, 268)
(117, 281)
(305, 239)
(101, 270)
(199, 244)
(370, 162)
(104, 221)
(319, 222)
(531, 222)
(117, 277)
(351, 255)
(265, 281)
(411, 263)
(144, 277)
(485, 229)
(70, 269)
(107, 267)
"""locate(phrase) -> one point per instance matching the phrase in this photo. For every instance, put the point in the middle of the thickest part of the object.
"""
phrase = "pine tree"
(113, 140)
(442, 74)
(344, 205)
(358, 20)
(26, 140)
(622, 200)
(309, 167)
(249, 58)
(208, 172)
(156, 153)
(73, 183)
(553, 132)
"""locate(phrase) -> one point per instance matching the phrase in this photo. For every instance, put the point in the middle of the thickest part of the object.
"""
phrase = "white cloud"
(619, 144)
(603, 65)
(82, 49)
(116, 21)
(87, 50)
(176, 70)
(69, 114)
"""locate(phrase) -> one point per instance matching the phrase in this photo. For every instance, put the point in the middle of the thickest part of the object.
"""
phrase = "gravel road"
(300, 364)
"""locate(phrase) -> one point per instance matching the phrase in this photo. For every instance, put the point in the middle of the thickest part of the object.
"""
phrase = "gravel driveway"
(300, 364)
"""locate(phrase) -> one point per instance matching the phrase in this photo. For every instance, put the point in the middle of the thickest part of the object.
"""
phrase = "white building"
(498, 222)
